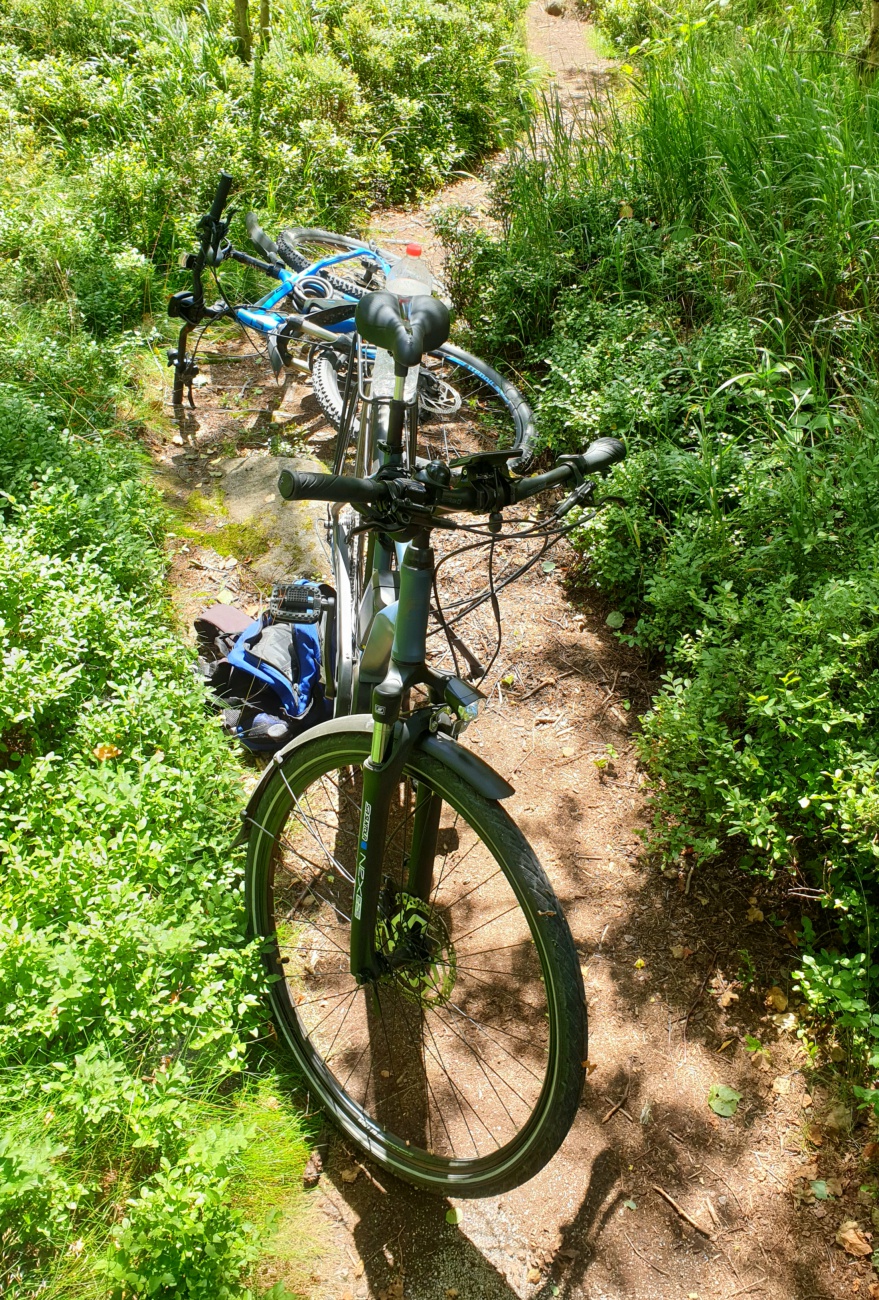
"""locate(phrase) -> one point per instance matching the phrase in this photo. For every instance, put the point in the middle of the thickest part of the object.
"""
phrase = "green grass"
(148, 1145)
(696, 271)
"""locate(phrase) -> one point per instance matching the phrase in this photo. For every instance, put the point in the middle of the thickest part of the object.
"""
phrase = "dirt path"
(653, 1195)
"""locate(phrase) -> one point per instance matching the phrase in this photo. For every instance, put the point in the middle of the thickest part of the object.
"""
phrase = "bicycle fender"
(469, 766)
(353, 722)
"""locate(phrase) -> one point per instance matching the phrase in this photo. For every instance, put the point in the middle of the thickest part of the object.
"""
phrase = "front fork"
(392, 743)
(391, 747)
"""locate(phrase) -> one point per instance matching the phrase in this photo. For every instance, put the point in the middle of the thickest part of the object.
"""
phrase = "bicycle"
(459, 398)
(419, 963)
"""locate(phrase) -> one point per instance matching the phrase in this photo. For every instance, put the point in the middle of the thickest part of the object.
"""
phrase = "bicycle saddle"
(379, 319)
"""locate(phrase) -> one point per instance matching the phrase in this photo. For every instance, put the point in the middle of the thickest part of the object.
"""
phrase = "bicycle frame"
(261, 316)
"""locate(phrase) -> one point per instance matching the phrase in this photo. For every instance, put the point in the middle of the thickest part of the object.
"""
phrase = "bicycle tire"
(298, 894)
(289, 242)
(521, 434)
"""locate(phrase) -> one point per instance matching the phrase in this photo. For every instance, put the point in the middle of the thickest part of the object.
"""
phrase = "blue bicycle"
(460, 404)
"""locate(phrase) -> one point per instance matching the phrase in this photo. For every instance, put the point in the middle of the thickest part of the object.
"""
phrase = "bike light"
(463, 700)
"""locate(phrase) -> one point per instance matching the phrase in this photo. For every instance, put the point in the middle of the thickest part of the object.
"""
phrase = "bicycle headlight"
(463, 700)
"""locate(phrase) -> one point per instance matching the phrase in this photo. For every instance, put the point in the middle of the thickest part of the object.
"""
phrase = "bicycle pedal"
(297, 603)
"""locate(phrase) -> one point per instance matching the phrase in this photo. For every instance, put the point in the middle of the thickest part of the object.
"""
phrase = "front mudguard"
(469, 766)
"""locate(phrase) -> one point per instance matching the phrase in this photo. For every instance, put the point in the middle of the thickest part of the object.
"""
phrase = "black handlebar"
(294, 486)
(224, 185)
(596, 459)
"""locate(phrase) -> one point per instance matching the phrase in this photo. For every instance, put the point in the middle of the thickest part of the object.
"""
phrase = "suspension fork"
(392, 744)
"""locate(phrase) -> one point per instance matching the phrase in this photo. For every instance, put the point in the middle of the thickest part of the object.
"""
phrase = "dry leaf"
(312, 1171)
(790, 934)
(678, 951)
(358, 1268)
(393, 1292)
(870, 1151)
(534, 1276)
(727, 997)
(754, 914)
(626, 211)
(776, 999)
(452, 1293)
(805, 1101)
(852, 1239)
(589, 1068)
(104, 751)
(834, 1186)
(350, 1175)
(815, 1134)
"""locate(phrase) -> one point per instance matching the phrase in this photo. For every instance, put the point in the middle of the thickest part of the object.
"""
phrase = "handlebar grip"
(224, 185)
(295, 486)
(600, 455)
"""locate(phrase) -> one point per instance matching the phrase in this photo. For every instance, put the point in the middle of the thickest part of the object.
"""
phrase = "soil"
(688, 972)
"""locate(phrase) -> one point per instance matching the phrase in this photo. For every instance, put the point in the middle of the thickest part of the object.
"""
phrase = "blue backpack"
(269, 672)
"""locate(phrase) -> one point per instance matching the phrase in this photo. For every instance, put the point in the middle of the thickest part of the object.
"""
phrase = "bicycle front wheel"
(461, 1068)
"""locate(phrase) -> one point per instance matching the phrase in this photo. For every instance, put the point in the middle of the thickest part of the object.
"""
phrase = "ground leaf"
(723, 1100)
(453, 1217)
(615, 619)
(852, 1239)
(776, 999)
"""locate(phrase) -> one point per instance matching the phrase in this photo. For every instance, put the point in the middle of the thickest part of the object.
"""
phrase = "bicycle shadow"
(406, 1243)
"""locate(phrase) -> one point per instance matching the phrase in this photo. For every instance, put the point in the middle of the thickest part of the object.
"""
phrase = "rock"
(295, 530)
(555, 8)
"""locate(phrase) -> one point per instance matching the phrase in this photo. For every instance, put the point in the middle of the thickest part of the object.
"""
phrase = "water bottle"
(407, 277)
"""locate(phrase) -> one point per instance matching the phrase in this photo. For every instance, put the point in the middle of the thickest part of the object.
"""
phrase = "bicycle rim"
(460, 1069)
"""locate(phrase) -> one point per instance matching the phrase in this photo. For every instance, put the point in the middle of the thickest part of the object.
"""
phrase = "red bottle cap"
(413, 250)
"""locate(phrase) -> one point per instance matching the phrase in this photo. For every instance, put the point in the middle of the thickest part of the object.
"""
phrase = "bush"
(180, 1237)
(696, 273)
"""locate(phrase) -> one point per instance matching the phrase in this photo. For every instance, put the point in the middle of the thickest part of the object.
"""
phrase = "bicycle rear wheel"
(464, 404)
(301, 247)
(461, 1068)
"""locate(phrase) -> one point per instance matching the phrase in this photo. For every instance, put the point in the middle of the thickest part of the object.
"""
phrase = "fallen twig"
(655, 1267)
(698, 997)
(683, 1213)
(548, 681)
(622, 1101)
(744, 1290)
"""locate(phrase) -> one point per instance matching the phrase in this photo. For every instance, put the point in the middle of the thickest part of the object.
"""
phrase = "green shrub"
(696, 272)
(180, 1236)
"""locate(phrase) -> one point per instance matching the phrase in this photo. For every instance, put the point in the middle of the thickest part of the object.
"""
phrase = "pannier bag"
(270, 673)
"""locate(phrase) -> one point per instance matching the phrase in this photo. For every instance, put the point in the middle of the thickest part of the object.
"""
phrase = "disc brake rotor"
(417, 949)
